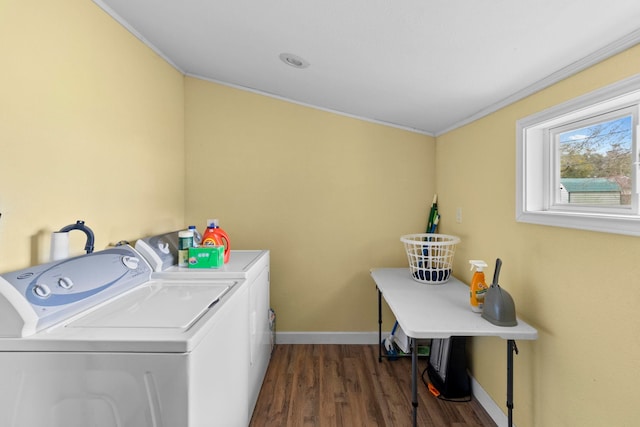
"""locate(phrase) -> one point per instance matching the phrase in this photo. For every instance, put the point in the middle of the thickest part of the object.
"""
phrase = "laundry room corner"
(328, 195)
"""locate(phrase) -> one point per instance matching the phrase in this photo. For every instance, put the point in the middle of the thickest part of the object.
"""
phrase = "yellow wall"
(579, 288)
(91, 128)
(328, 195)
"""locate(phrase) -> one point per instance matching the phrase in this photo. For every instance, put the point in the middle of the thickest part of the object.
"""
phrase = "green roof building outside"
(594, 191)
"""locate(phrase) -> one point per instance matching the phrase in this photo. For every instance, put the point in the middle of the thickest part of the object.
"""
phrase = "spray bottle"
(478, 286)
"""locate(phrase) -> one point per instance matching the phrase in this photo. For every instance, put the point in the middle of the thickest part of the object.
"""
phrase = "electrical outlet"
(459, 215)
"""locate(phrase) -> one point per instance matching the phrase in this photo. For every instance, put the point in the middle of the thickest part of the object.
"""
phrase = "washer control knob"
(41, 290)
(130, 262)
(65, 283)
(164, 247)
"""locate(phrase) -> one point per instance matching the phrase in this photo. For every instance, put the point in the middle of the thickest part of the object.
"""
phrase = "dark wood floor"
(346, 386)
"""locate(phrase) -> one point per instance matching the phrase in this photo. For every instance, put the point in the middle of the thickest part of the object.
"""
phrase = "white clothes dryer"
(95, 341)
(253, 266)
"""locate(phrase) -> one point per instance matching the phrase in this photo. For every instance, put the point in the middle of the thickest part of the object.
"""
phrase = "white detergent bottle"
(197, 238)
(478, 286)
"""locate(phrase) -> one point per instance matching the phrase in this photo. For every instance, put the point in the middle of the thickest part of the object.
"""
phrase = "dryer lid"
(239, 265)
(156, 305)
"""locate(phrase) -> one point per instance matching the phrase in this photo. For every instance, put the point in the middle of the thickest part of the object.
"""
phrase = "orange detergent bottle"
(216, 236)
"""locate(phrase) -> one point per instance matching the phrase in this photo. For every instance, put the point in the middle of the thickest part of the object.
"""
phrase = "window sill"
(605, 223)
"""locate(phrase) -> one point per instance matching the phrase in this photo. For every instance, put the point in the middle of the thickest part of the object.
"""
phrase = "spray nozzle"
(478, 264)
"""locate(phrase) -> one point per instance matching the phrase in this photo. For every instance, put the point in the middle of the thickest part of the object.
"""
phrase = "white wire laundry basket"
(430, 256)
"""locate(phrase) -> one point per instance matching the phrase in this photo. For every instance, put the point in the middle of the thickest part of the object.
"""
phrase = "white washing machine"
(95, 341)
(253, 266)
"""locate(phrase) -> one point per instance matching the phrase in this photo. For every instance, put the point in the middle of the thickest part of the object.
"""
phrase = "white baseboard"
(489, 405)
(328, 337)
(370, 338)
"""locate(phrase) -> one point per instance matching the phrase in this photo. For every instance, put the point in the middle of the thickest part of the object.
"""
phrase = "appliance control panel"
(41, 296)
(161, 251)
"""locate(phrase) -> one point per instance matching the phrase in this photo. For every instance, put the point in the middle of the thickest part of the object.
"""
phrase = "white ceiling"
(423, 65)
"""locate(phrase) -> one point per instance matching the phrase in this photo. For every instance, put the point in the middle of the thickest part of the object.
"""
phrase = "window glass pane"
(595, 163)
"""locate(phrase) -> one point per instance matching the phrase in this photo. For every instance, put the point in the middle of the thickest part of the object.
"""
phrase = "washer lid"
(155, 305)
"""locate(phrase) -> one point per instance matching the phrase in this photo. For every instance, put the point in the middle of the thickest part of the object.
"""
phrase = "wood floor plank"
(346, 386)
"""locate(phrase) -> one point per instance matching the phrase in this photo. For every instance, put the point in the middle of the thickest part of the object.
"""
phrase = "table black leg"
(379, 326)
(414, 379)
(511, 348)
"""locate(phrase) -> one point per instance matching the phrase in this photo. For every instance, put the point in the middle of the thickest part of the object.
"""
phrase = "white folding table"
(440, 311)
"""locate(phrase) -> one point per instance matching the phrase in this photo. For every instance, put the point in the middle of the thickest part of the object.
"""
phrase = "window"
(578, 162)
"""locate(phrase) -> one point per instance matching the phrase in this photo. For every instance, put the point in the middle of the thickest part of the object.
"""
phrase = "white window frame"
(535, 163)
